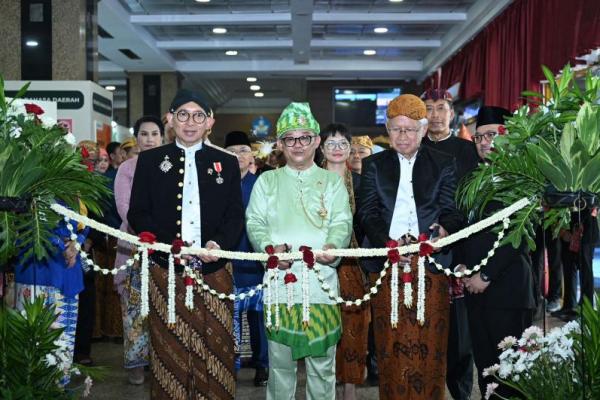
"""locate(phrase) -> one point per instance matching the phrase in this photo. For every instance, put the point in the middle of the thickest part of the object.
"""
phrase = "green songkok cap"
(297, 116)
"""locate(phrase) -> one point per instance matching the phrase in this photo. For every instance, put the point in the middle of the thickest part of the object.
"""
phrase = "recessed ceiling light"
(251, 79)
(395, 1)
(219, 31)
(202, 1)
(231, 52)
(31, 43)
(110, 88)
(259, 94)
(254, 87)
(380, 29)
(369, 52)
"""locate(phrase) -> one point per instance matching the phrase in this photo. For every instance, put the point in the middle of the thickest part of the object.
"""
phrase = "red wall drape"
(505, 58)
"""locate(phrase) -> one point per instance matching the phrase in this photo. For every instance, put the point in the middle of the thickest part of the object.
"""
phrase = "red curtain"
(506, 57)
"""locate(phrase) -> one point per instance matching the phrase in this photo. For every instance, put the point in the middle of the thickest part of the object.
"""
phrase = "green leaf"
(566, 142)
(579, 159)
(551, 165)
(588, 127)
(590, 179)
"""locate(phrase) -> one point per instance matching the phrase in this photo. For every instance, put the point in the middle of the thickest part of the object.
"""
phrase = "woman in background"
(148, 132)
(352, 349)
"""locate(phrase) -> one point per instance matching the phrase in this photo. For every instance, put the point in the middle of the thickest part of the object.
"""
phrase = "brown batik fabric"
(109, 321)
(194, 359)
(412, 358)
(351, 354)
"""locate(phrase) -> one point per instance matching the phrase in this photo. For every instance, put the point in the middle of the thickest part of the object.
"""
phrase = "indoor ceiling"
(282, 43)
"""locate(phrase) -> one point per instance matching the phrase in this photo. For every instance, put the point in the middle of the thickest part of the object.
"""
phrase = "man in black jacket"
(409, 190)
(190, 190)
(460, 356)
(499, 299)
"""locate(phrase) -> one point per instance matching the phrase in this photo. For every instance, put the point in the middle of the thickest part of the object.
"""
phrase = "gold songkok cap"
(407, 105)
(364, 141)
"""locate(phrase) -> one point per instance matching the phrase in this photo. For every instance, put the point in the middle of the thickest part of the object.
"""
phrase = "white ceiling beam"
(201, 44)
(286, 18)
(212, 19)
(360, 66)
(302, 12)
(375, 43)
(478, 17)
(388, 17)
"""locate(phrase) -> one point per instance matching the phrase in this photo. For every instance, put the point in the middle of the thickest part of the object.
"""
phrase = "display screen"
(362, 107)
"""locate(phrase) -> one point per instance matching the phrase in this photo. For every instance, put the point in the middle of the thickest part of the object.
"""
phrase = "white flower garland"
(408, 291)
(394, 296)
(235, 255)
(421, 290)
(268, 298)
(171, 318)
(305, 296)
(289, 287)
(274, 274)
(144, 275)
(189, 297)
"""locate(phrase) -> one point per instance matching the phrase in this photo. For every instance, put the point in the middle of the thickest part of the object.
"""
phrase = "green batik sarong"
(323, 331)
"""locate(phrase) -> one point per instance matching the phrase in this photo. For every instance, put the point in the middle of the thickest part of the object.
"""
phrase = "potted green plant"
(550, 154)
(39, 167)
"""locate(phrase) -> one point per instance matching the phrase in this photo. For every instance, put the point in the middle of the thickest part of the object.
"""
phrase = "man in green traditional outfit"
(301, 205)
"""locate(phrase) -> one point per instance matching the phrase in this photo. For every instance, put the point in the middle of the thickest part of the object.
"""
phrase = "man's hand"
(207, 258)
(475, 284)
(326, 259)
(442, 233)
(70, 253)
(283, 248)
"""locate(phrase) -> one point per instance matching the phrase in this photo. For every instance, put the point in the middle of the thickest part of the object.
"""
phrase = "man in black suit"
(406, 191)
(500, 298)
(440, 114)
(190, 190)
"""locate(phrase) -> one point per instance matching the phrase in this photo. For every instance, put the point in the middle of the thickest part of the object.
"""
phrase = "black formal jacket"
(509, 269)
(156, 198)
(434, 185)
(463, 151)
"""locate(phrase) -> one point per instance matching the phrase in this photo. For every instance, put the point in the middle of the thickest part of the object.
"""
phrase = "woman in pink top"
(149, 132)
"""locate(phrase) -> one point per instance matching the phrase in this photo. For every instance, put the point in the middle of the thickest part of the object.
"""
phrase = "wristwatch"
(484, 277)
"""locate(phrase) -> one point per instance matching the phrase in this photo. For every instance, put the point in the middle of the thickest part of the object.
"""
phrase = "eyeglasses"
(407, 131)
(184, 116)
(240, 152)
(342, 145)
(489, 136)
(291, 141)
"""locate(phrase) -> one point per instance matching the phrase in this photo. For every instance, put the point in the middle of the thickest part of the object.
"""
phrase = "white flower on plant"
(47, 122)
(16, 132)
(505, 370)
(87, 386)
(490, 389)
(532, 333)
(50, 360)
(489, 371)
(70, 139)
(507, 343)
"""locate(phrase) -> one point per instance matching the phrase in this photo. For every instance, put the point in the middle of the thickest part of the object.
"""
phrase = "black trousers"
(572, 262)
(86, 317)
(488, 326)
(459, 369)
(555, 274)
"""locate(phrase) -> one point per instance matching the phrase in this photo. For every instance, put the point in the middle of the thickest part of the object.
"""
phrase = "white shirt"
(404, 219)
(190, 202)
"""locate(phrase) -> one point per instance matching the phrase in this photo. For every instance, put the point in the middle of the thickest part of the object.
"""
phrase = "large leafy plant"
(551, 145)
(34, 358)
(40, 165)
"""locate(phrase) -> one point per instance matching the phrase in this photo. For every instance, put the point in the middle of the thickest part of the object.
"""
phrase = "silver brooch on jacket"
(165, 165)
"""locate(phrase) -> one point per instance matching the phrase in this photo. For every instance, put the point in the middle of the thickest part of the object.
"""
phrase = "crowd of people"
(326, 189)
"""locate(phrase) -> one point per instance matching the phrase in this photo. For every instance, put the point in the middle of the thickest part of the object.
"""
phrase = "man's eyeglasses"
(342, 145)
(291, 141)
(489, 136)
(407, 131)
(184, 116)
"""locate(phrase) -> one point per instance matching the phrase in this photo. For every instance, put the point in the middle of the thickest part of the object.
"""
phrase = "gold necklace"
(322, 212)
